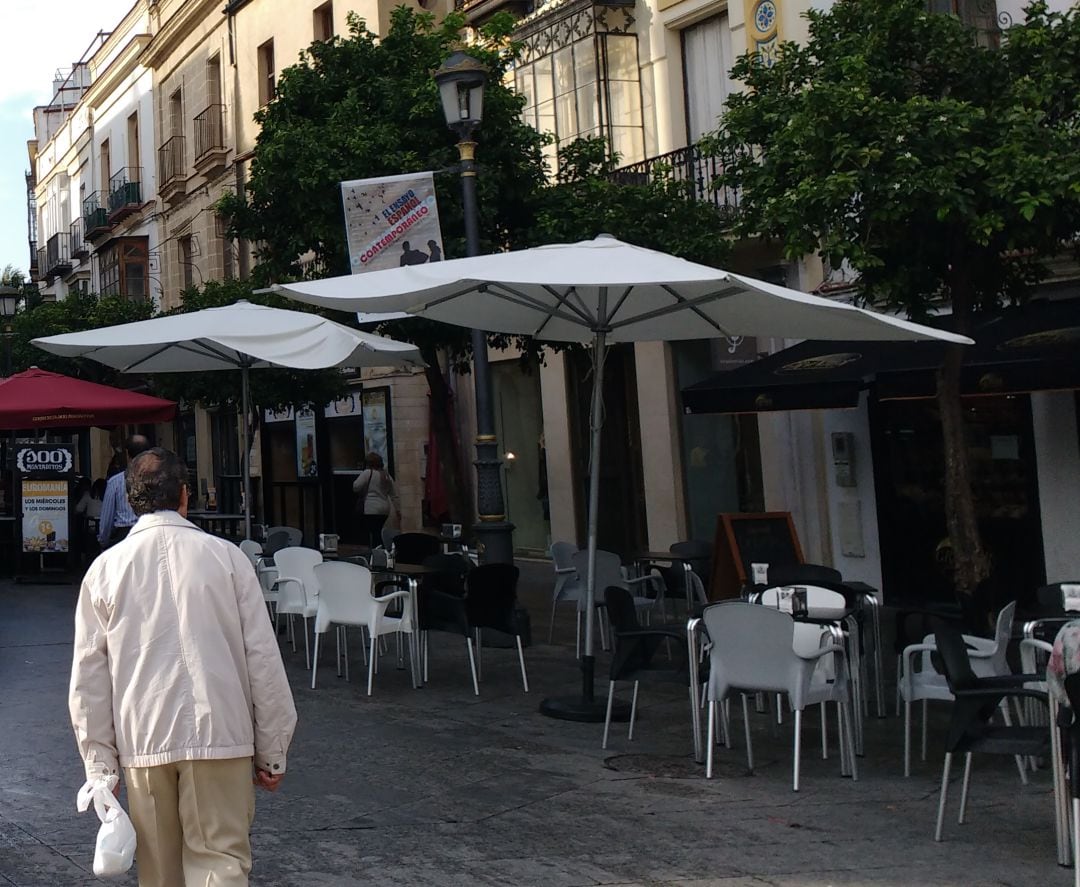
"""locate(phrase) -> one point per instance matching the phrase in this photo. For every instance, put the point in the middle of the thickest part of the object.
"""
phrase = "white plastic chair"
(297, 589)
(345, 599)
(569, 586)
(754, 650)
(265, 570)
(610, 572)
(920, 681)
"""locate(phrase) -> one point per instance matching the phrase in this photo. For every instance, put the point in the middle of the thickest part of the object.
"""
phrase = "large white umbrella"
(242, 336)
(602, 291)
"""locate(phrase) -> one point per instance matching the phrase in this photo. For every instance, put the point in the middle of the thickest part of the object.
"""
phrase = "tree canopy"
(944, 171)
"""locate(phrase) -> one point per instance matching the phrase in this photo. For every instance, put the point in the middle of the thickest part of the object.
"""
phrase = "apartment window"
(176, 113)
(707, 58)
(133, 147)
(213, 81)
(587, 88)
(267, 78)
(124, 268)
(186, 253)
(106, 164)
(323, 21)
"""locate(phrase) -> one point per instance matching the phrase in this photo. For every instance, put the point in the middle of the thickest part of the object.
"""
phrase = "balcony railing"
(33, 258)
(80, 249)
(209, 132)
(171, 167)
(125, 192)
(95, 215)
(688, 166)
(58, 254)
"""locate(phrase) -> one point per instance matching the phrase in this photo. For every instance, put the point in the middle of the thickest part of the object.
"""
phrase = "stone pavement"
(440, 787)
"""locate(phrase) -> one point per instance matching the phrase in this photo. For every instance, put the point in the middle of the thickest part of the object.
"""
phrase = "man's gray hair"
(155, 480)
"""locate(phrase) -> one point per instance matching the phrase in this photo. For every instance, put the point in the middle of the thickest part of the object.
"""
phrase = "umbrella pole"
(585, 707)
(245, 398)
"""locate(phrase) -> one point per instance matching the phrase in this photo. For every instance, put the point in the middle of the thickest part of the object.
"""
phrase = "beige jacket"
(175, 657)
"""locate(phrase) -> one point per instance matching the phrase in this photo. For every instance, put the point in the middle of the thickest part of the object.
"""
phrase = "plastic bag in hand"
(115, 849)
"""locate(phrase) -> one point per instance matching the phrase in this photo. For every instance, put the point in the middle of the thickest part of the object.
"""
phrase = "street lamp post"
(9, 302)
(461, 82)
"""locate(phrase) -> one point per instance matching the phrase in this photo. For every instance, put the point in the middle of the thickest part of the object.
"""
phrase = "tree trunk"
(450, 463)
(971, 564)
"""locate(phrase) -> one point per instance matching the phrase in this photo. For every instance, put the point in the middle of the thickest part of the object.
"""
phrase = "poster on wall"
(44, 472)
(391, 221)
(306, 465)
(376, 432)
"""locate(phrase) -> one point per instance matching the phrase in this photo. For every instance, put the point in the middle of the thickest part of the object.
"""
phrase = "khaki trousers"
(192, 820)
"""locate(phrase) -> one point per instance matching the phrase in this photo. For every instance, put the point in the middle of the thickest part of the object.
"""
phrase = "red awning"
(40, 399)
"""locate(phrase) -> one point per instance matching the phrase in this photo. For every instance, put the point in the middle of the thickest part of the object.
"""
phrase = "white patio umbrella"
(242, 336)
(602, 291)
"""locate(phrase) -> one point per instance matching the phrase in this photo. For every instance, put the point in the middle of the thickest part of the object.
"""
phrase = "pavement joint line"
(42, 644)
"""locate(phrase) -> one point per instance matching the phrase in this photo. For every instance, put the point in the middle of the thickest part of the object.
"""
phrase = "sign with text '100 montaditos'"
(392, 221)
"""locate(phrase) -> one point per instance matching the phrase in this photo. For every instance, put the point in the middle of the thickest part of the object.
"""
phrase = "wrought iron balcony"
(688, 166)
(58, 255)
(125, 193)
(172, 178)
(210, 150)
(80, 249)
(95, 215)
(479, 11)
(33, 258)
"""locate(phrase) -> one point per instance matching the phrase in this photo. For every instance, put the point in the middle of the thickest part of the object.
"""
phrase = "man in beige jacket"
(177, 678)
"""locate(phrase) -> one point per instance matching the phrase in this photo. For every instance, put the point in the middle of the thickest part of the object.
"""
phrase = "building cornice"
(120, 67)
(179, 26)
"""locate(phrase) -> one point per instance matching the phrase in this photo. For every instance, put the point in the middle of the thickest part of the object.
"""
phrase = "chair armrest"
(281, 580)
(821, 651)
(387, 598)
(563, 571)
(999, 692)
(387, 583)
(1036, 644)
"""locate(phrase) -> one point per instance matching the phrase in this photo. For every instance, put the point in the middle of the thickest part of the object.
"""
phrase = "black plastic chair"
(657, 654)
(491, 602)
(698, 555)
(451, 576)
(413, 548)
(440, 611)
(971, 729)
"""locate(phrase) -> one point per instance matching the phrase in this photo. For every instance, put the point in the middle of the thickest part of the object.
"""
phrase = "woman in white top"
(376, 498)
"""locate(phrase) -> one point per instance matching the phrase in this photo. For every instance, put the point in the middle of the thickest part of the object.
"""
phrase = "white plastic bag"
(115, 849)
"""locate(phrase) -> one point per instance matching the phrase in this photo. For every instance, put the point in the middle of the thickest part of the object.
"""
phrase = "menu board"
(746, 539)
(44, 498)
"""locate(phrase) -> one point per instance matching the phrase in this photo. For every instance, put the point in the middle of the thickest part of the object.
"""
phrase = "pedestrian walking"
(376, 500)
(117, 518)
(177, 678)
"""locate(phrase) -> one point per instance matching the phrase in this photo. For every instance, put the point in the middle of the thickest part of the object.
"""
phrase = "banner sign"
(392, 221)
(44, 471)
(306, 466)
(44, 515)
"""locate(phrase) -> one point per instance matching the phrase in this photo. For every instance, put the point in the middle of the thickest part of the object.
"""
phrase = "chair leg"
(307, 654)
(845, 709)
(798, 748)
(710, 736)
(372, 659)
(345, 647)
(607, 717)
(725, 723)
(479, 655)
(964, 789)
(899, 667)
(695, 723)
(577, 641)
(472, 666)
(521, 661)
(425, 657)
(633, 712)
(825, 733)
(907, 738)
(925, 718)
(292, 632)
(551, 626)
(746, 728)
(944, 795)
(845, 767)
(315, 662)
(1020, 766)
(337, 642)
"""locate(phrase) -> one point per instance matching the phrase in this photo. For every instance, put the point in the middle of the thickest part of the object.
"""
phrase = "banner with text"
(392, 221)
(44, 515)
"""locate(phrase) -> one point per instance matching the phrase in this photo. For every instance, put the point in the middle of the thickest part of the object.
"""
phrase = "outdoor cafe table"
(410, 572)
(217, 523)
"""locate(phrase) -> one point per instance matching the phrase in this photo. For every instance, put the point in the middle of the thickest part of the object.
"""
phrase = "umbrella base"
(577, 708)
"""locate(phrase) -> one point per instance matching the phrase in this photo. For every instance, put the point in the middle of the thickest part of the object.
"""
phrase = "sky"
(42, 37)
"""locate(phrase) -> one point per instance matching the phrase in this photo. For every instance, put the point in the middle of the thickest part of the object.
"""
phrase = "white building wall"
(1057, 457)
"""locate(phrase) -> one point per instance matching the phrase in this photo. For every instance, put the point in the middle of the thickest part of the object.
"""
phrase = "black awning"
(1035, 347)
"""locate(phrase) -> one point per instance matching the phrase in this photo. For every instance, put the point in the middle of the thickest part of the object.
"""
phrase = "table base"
(577, 708)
